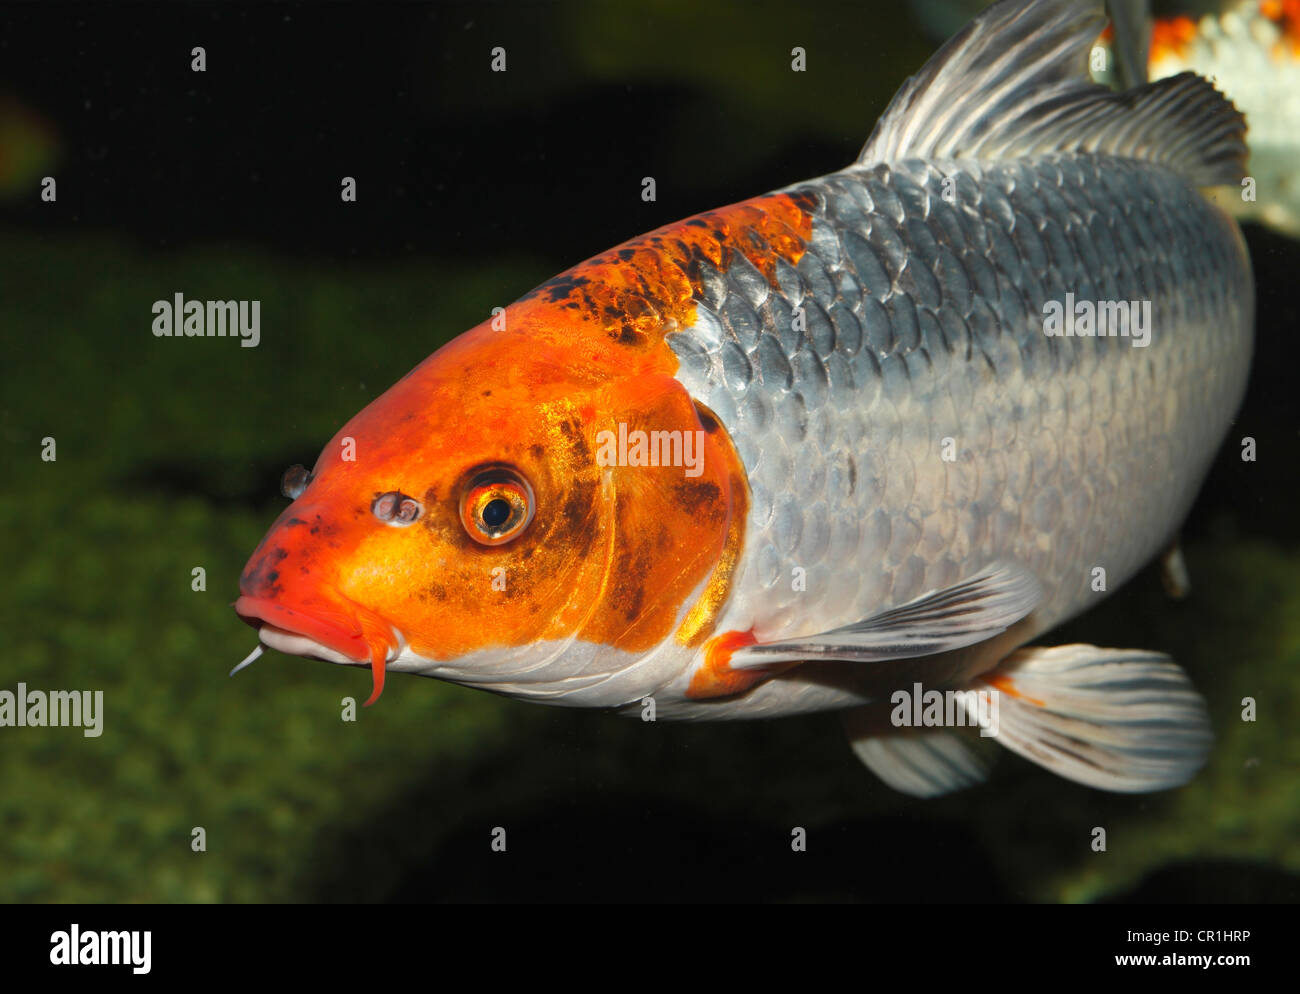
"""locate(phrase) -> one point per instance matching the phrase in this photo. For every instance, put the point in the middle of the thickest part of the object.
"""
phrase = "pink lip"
(334, 631)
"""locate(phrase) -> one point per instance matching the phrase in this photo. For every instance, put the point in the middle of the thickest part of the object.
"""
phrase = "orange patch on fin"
(716, 678)
(1003, 683)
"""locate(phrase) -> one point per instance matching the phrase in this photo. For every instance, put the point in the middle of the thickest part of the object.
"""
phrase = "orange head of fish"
(528, 494)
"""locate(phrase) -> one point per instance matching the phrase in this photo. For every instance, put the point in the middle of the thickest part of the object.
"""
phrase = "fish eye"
(395, 508)
(497, 506)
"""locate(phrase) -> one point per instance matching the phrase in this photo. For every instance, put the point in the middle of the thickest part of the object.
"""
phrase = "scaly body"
(898, 473)
(924, 321)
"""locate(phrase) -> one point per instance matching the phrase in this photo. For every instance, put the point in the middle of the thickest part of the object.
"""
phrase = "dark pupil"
(496, 513)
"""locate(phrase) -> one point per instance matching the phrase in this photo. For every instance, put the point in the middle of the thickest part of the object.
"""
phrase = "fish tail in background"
(1251, 49)
(1116, 719)
(971, 100)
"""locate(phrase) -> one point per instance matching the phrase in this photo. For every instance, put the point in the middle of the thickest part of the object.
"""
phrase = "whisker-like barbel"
(249, 660)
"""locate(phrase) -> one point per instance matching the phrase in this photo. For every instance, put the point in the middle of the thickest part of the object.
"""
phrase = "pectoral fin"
(968, 612)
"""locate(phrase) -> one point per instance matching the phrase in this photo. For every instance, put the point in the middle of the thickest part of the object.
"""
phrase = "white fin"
(920, 762)
(1015, 83)
(1116, 719)
(971, 611)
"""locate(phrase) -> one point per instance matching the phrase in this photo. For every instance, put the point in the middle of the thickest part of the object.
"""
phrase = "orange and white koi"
(1251, 51)
(909, 468)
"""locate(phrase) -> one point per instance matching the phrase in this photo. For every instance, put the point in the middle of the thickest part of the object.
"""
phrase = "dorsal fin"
(1015, 83)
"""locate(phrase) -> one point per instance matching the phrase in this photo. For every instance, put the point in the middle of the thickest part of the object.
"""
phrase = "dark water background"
(473, 187)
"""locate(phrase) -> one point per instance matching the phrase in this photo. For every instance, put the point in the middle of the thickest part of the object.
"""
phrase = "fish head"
(479, 522)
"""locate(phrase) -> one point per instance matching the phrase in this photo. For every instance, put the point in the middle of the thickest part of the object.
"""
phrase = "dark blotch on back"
(558, 288)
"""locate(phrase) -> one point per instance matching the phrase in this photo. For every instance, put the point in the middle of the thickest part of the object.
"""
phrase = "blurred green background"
(474, 187)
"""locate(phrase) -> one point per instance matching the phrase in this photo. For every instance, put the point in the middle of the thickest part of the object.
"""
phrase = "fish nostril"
(295, 480)
(395, 508)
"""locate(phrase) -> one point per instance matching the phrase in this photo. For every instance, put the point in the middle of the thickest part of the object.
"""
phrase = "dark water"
(473, 187)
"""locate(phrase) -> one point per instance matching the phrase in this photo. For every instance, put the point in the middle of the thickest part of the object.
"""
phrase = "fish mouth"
(319, 634)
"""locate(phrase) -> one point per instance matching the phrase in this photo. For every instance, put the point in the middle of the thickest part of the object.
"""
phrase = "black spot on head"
(294, 523)
(708, 420)
(699, 498)
(665, 542)
(558, 288)
(571, 431)
(577, 514)
(633, 569)
(263, 577)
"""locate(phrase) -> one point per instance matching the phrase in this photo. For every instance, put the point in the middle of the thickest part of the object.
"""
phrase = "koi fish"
(1252, 52)
(828, 445)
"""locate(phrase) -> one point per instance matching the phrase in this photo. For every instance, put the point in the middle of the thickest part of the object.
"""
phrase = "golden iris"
(497, 506)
